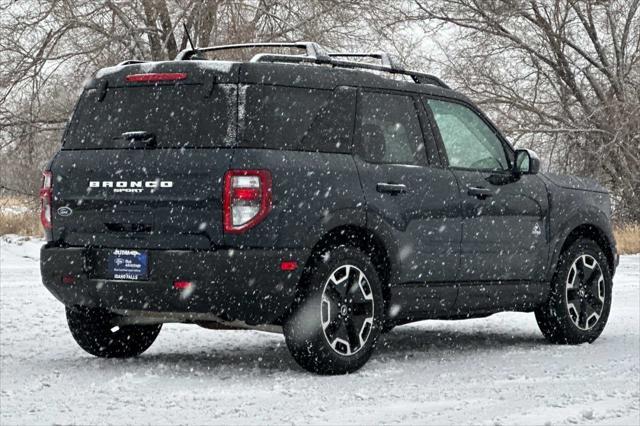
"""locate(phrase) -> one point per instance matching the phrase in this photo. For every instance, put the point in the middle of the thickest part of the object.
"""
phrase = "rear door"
(504, 236)
(143, 158)
(412, 204)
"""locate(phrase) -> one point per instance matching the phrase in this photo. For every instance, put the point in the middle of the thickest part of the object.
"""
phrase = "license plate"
(128, 265)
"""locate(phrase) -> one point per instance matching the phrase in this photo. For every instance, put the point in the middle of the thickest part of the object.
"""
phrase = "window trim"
(506, 146)
(429, 134)
(423, 161)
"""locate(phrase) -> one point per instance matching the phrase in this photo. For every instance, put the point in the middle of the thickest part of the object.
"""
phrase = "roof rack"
(312, 50)
(315, 54)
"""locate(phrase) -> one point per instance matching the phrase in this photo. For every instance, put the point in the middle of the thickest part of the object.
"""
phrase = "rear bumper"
(245, 285)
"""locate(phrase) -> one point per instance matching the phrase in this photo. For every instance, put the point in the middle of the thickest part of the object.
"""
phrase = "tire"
(580, 301)
(337, 320)
(92, 330)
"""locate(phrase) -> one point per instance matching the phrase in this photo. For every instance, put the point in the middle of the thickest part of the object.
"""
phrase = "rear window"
(177, 115)
(299, 119)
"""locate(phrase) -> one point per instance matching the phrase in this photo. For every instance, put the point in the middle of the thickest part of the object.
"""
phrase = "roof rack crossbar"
(385, 58)
(130, 61)
(418, 77)
(312, 50)
(292, 59)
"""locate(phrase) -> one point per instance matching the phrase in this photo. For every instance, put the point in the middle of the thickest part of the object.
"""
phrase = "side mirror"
(527, 162)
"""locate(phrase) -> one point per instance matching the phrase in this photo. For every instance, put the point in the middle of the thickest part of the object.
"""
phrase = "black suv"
(313, 195)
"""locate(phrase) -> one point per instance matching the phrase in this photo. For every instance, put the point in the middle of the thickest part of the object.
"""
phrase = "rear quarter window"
(299, 119)
(178, 115)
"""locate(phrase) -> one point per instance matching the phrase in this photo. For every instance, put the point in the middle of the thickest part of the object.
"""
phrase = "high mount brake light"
(46, 197)
(246, 199)
(153, 77)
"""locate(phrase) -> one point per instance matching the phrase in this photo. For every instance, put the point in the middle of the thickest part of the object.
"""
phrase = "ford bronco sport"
(309, 194)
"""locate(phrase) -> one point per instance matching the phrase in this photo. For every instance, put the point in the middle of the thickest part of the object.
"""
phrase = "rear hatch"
(144, 155)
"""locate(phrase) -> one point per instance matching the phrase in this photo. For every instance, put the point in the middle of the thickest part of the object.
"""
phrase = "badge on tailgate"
(128, 265)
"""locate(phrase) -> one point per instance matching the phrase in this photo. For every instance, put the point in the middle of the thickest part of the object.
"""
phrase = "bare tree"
(49, 47)
(560, 75)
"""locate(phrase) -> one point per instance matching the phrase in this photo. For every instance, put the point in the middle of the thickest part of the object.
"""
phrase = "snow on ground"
(497, 370)
(16, 210)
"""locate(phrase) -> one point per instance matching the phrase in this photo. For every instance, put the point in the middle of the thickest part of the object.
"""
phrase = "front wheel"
(580, 299)
(337, 321)
(98, 333)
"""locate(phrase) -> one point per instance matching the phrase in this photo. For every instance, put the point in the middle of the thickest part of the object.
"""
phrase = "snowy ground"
(497, 370)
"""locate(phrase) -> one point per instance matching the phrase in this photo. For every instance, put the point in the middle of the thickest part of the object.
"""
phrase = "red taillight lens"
(45, 199)
(246, 194)
(246, 199)
(154, 76)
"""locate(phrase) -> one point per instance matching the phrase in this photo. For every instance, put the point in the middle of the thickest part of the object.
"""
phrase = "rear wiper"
(138, 139)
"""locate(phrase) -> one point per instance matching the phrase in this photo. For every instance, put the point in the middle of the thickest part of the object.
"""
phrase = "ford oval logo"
(64, 211)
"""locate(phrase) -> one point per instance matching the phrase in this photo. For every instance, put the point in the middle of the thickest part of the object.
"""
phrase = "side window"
(469, 143)
(293, 118)
(389, 130)
(332, 127)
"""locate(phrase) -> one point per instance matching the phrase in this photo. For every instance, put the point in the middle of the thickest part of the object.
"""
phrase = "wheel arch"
(592, 232)
(365, 240)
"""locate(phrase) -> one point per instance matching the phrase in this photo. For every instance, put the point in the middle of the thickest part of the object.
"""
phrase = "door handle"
(479, 192)
(391, 188)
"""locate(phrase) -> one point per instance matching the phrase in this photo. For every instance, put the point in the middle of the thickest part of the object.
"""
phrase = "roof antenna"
(186, 31)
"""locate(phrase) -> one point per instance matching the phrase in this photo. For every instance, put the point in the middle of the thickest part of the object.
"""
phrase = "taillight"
(246, 199)
(155, 76)
(45, 199)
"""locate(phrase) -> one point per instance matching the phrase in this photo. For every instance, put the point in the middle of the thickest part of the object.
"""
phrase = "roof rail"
(311, 50)
(385, 58)
(418, 77)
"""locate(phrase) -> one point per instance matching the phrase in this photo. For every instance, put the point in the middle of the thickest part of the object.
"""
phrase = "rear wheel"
(580, 300)
(337, 322)
(96, 331)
